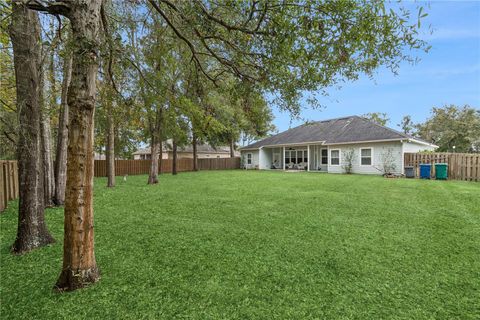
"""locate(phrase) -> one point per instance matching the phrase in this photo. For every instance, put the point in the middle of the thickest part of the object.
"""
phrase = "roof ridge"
(333, 119)
(385, 127)
(403, 134)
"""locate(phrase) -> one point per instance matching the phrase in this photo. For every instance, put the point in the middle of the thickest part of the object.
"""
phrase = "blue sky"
(448, 74)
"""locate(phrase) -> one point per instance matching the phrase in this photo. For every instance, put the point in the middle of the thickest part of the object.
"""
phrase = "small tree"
(387, 159)
(348, 157)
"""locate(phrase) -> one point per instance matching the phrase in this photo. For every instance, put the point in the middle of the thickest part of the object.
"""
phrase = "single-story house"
(203, 151)
(331, 145)
(146, 154)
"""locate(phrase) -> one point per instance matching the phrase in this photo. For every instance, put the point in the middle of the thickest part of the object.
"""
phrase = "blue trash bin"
(425, 169)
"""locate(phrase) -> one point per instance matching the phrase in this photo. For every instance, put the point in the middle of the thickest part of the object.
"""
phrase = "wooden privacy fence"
(134, 167)
(9, 171)
(8, 182)
(461, 166)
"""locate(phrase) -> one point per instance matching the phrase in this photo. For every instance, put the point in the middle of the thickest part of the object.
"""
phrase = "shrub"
(387, 159)
(348, 158)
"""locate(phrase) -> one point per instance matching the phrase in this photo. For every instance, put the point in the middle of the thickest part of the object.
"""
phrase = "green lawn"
(263, 245)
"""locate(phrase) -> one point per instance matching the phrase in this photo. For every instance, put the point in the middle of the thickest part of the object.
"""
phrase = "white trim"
(365, 141)
(340, 143)
(371, 157)
(329, 144)
(294, 144)
(339, 158)
(283, 159)
(422, 142)
(284, 145)
(403, 157)
(260, 158)
(308, 157)
(321, 157)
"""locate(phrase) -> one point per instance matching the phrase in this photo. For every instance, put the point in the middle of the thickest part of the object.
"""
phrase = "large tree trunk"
(174, 160)
(153, 176)
(48, 178)
(79, 264)
(62, 137)
(232, 148)
(195, 156)
(110, 147)
(25, 33)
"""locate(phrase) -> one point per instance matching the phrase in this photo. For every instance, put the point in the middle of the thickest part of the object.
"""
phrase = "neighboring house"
(98, 156)
(102, 156)
(325, 145)
(146, 154)
(203, 151)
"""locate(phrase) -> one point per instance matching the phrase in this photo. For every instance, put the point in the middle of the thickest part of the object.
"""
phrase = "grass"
(262, 245)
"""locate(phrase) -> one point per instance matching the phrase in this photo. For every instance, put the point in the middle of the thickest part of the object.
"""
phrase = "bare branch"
(53, 7)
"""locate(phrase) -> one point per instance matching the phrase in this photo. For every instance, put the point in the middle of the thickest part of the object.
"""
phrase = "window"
(366, 157)
(287, 157)
(249, 158)
(324, 156)
(335, 157)
(305, 156)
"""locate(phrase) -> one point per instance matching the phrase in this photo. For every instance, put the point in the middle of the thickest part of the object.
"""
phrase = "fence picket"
(135, 167)
(461, 166)
(9, 187)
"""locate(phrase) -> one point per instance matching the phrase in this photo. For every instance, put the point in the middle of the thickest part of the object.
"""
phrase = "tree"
(47, 149)
(380, 118)
(8, 111)
(288, 48)
(282, 48)
(452, 126)
(25, 34)
(406, 124)
(79, 264)
(108, 101)
(62, 135)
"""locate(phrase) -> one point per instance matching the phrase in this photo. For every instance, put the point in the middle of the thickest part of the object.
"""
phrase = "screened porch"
(308, 158)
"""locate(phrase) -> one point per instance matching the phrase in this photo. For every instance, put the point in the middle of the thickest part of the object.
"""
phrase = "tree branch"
(182, 37)
(56, 7)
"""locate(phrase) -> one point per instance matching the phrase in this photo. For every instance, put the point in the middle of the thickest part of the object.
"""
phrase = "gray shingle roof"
(340, 130)
(201, 148)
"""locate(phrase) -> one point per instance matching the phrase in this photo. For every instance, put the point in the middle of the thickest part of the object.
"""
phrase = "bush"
(387, 159)
(348, 157)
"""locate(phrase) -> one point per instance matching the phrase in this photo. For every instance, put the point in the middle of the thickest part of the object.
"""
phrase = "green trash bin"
(441, 171)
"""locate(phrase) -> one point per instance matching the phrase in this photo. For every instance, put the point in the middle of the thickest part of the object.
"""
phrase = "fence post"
(461, 166)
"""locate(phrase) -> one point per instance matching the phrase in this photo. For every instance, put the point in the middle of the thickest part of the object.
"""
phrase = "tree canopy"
(452, 128)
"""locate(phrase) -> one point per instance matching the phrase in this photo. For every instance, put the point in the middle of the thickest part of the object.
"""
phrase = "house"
(203, 151)
(146, 154)
(327, 146)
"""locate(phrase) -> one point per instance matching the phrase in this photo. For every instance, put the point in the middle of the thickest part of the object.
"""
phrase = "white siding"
(255, 159)
(416, 147)
(378, 151)
(265, 158)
